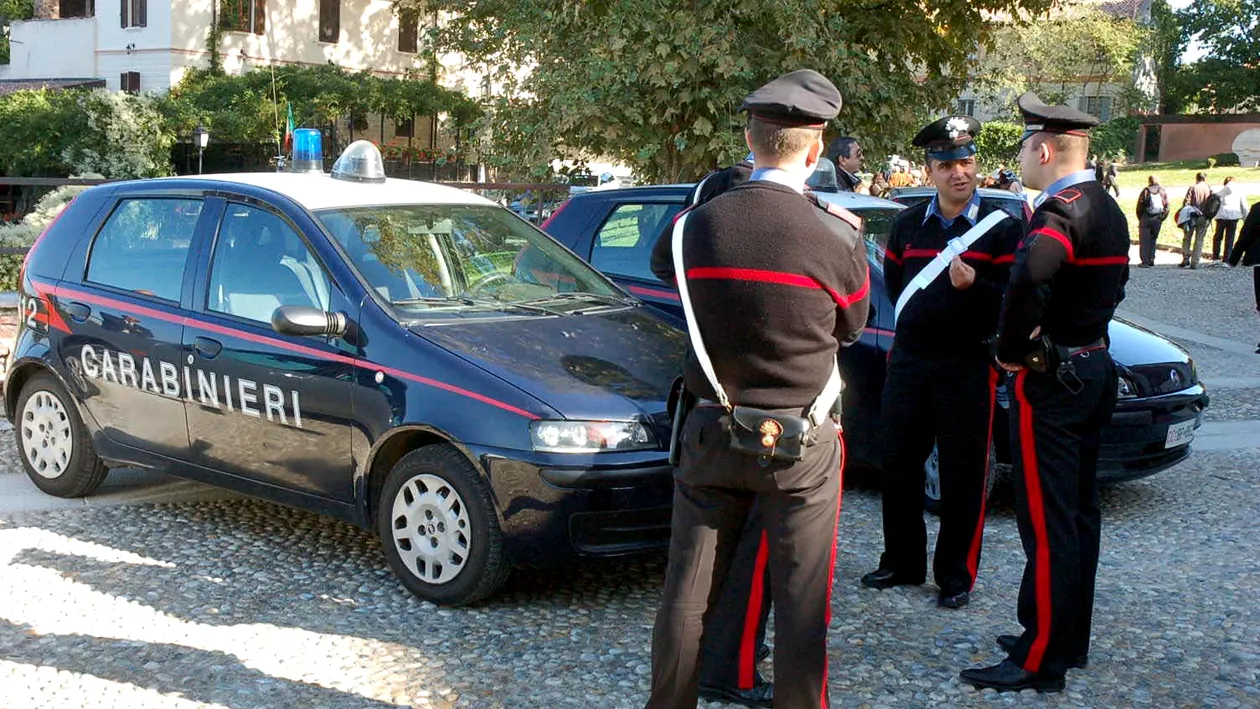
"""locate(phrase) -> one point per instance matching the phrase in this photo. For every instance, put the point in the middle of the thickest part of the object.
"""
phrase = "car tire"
(54, 445)
(437, 524)
(932, 479)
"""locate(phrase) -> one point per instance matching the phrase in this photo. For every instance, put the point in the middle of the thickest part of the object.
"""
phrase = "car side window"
(143, 246)
(260, 263)
(623, 246)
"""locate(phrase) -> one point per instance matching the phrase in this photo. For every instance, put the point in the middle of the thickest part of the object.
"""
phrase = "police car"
(409, 357)
(1161, 401)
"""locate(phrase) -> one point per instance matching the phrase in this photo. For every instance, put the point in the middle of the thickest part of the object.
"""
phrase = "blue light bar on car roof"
(308, 150)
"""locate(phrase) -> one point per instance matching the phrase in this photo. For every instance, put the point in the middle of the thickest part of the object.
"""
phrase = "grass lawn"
(1181, 174)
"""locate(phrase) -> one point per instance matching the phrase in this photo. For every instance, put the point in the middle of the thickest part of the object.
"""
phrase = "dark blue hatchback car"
(410, 357)
(1161, 401)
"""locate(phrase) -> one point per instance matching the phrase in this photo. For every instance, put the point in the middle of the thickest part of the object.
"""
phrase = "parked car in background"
(1161, 400)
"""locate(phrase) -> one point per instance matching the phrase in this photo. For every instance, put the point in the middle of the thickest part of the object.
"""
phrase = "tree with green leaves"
(1076, 52)
(657, 83)
(11, 10)
(1227, 77)
(250, 108)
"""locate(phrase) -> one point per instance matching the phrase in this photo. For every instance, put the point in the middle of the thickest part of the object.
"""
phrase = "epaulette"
(848, 217)
(835, 210)
(1068, 196)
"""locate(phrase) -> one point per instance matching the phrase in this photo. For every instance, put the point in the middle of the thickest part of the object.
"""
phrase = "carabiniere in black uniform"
(1067, 280)
(941, 379)
(776, 286)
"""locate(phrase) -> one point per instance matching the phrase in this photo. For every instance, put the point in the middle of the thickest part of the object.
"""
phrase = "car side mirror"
(304, 320)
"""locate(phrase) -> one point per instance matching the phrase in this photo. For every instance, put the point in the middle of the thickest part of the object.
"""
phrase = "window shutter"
(408, 31)
(142, 13)
(329, 20)
(124, 79)
(260, 16)
(122, 14)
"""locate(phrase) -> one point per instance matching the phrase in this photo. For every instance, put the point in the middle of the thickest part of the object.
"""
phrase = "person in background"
(1112, 183)
(1247, 251)
(1233, 208)
(846, 154)
(1007, 180)
(879, 185)
(1152, 210)
(1195, 227)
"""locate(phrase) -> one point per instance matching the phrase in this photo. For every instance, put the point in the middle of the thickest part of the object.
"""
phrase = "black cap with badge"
(950, 138)
(801, 99)
(1042, 118)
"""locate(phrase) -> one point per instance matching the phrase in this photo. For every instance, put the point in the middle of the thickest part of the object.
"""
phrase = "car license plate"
(1179, 434)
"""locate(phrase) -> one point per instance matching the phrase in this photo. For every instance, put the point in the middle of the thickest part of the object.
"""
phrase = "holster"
(767, 434)
(1044, 356)
(679, 403)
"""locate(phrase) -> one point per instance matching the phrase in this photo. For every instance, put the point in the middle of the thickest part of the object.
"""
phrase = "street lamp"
(201, 137)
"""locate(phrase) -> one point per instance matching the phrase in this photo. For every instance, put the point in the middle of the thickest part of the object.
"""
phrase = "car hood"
(1134, 346)
(613, 364)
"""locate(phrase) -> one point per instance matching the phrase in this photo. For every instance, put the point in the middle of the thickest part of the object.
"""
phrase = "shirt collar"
(782, 177)
(1063, 183)
(970, 212)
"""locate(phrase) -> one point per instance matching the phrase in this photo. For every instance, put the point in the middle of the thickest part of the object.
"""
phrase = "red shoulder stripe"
(1066, 242)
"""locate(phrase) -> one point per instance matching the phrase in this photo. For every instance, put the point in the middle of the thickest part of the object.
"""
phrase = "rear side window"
(143, 247)
(623, 246)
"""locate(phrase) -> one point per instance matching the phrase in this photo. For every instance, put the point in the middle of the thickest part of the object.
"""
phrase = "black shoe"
(1008, 642)
(882, 578)
(763, 652)
(1183, 264)
(1007, 676)
(761, 695)
(953, 600)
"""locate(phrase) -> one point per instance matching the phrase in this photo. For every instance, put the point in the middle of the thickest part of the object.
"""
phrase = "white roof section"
(315, 190)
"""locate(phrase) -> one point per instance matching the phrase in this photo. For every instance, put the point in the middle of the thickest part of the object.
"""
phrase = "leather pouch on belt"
(767, 434)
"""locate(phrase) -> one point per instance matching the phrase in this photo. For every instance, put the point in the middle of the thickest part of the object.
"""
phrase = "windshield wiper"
(436, 300)
(574, 295)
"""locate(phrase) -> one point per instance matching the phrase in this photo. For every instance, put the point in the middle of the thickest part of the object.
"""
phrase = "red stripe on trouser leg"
(1037, 515)
(752, 617)
(831, 573)
(973, 556)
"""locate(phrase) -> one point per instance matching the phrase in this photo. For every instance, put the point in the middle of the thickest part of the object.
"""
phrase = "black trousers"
(715, 488)
(1148, 235)
(736, 626)
(1226, 229)
(949, 403)
(1054, 434)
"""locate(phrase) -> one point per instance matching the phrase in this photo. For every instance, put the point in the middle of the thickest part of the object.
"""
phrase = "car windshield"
(876, 224)
(460, 258)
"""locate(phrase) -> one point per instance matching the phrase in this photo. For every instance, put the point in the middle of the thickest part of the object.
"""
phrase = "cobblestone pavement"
(244, 604)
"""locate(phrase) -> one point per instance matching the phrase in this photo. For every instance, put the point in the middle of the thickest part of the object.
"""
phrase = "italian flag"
(288, 129)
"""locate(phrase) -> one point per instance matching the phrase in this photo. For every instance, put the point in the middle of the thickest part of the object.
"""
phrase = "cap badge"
(770, 431)
(956, 127)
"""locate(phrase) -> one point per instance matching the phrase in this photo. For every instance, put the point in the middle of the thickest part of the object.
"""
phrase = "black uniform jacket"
(1069, 272)
(942, 321)
(1247, 250)
(778, 285)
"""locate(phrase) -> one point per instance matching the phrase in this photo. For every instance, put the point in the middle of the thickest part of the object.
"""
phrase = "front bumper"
(1133, 445)
(553, 508)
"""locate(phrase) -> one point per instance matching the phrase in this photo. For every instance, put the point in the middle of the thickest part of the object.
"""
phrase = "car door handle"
(79, 312)
(207, 347)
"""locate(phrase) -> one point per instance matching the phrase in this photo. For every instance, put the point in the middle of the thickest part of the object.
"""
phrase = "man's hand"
(961, 276)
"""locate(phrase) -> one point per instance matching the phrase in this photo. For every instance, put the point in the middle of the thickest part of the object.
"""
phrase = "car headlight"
(590, 436)
(1125, 388)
